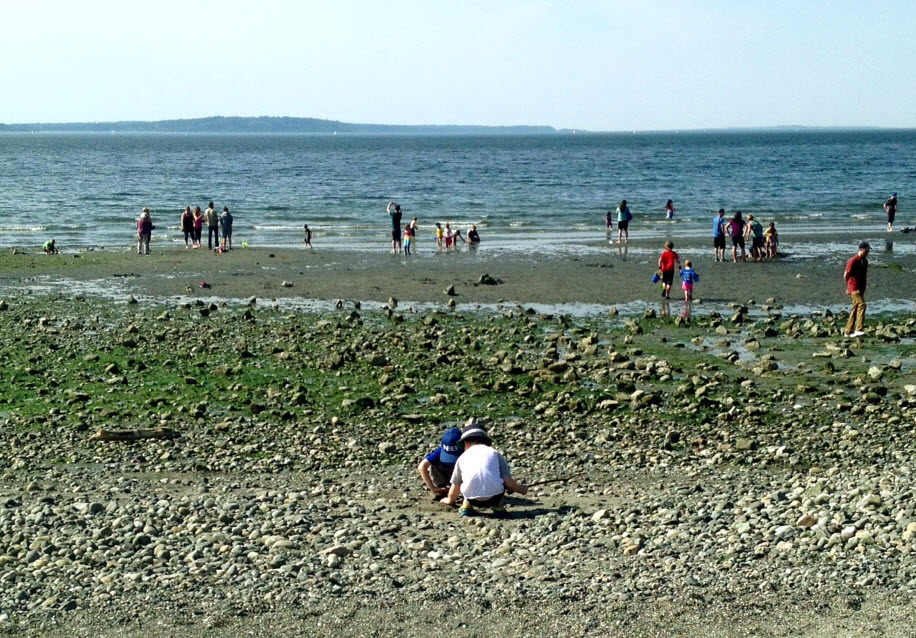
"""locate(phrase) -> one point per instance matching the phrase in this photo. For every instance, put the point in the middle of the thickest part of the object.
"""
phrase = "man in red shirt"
(855, 274)
(666, 266)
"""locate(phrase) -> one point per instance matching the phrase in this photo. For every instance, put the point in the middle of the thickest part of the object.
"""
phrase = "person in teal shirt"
(623, 222)
(755, 234)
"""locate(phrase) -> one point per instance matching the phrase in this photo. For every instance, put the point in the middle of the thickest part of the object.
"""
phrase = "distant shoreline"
(315, 126)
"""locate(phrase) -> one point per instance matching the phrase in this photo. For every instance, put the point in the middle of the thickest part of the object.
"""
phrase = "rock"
(450, 291)
(487, 280)
(806, 521)
(287, 284)
(743, 445)
(600, 515)
(387, 447)
(875, 373)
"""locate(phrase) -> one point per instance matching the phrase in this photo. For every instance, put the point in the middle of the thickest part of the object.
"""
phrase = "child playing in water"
(439, 234)
(449, 235)
(408, 239)
(772, 240)
(689, 277)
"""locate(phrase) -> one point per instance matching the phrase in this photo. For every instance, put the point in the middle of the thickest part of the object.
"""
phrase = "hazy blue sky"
(569, 63)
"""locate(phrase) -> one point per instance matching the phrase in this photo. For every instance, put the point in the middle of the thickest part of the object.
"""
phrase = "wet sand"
(603, 274)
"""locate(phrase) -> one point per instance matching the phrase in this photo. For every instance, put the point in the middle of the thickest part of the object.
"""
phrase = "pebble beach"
(743, 471)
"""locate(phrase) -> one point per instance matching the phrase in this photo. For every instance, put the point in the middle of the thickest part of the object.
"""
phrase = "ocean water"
(526, 193)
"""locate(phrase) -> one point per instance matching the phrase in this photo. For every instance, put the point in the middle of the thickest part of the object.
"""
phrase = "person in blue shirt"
(689, 277)
(718, 234)
(437, 467)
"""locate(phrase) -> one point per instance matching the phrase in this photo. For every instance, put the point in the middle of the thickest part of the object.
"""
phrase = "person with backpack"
(623, 222)
(736, 228)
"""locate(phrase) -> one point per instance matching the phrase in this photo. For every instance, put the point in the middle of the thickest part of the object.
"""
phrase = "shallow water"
(118, 289)
(525, 193)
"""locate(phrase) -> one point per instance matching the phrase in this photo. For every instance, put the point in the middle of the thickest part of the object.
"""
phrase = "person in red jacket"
(854, 276)
(666, 263)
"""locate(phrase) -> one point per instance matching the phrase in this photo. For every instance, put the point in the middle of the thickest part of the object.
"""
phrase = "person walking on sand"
(688, 278)
(481, 475)
(394, 210)
(890, 207)
(144, 232)
(198, 218)
(225, 227)
(669, 210)
(718, 234)
(212, 218)
(308, 236)
(666, 264)
(736, 229)
(623, 222)
(187, 227)
(854, 276)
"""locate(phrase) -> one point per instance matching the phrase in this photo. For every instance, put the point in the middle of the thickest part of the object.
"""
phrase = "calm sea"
(522, 192)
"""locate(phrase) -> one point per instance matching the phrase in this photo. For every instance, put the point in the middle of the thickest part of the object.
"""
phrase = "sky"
(582, 64)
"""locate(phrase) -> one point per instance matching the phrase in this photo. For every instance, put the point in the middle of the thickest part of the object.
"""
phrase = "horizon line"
(676, 130)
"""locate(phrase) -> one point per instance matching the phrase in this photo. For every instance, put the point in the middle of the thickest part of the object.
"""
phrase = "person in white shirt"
(481, 475)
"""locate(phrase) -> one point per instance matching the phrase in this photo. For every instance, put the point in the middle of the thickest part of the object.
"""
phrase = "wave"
(23, 229)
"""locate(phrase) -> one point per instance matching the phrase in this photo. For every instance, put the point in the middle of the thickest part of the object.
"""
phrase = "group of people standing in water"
(446, 238)
(219, 227)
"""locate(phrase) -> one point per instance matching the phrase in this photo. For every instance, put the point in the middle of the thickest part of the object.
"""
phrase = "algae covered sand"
(739, 467)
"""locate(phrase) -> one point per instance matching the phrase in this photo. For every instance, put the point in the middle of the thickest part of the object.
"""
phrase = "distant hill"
(219, 124)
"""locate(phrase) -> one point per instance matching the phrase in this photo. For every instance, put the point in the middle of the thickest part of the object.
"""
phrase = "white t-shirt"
(480, 471)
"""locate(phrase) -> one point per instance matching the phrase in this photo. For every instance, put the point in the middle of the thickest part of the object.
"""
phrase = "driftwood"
(561, 479)
(133, 435)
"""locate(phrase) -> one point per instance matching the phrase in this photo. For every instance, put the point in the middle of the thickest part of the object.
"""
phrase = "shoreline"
(609, 276)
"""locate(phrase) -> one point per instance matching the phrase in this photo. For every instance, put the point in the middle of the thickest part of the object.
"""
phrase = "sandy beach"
(742, 472)
(810, 275)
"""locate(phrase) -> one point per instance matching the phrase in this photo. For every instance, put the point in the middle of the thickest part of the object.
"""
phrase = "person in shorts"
(481, 475)
(225, 227)
(395, 211)
(736, 228)
(754, 231)
(718, 235)
(666, 264)
(623, 222)
(437, 467)
(890, 207)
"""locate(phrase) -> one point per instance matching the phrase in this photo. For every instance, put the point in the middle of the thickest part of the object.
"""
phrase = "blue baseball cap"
(450, 449)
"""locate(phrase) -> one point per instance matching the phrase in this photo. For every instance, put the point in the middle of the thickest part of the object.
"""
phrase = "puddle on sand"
(118, 289)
